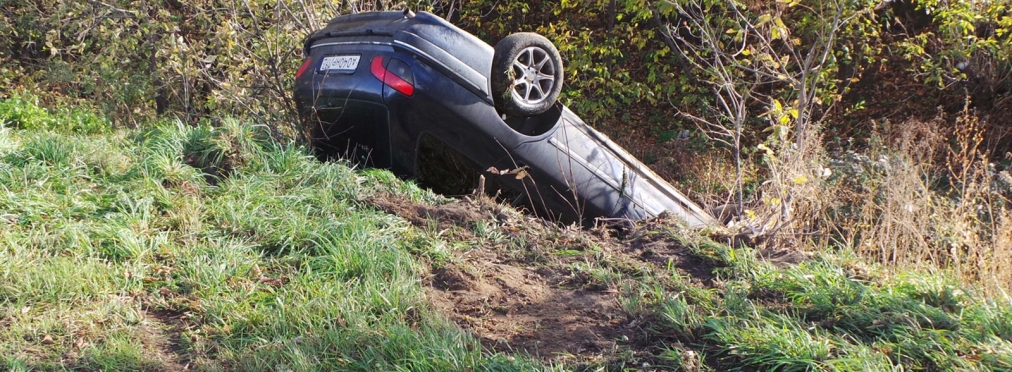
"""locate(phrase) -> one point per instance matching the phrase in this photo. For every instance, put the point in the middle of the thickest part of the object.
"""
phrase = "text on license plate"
(339, 63)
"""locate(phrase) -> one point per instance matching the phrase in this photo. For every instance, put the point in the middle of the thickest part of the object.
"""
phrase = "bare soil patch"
(660, 251)
(455, 214)
(161, 333)
(529, 310)
(513, 304)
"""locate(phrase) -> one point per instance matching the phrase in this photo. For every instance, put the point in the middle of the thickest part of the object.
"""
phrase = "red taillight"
(305, 65)
(392, 79)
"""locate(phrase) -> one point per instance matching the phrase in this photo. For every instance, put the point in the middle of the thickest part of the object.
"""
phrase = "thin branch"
(113, 8)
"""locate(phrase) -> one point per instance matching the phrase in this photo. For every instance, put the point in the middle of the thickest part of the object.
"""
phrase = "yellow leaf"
(800, 180)
(793, 112)
(780, 23)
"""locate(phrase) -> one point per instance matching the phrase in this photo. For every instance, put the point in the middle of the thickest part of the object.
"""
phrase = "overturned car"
(375, 86)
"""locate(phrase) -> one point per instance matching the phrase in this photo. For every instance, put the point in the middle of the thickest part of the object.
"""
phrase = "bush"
(192, 60)
(23, 113)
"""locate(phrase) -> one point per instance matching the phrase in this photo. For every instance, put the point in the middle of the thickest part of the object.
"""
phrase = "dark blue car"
(376, 86)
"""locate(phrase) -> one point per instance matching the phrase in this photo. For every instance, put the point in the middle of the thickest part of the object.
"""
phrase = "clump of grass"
(46, 148)
(772, 341)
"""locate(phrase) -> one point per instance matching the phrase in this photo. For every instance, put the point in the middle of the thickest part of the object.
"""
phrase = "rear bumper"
(355, 130)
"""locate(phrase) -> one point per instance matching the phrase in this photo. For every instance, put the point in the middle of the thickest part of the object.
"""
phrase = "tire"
(526, 74)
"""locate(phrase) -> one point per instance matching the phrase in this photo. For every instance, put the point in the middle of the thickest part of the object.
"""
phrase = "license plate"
(339, 63)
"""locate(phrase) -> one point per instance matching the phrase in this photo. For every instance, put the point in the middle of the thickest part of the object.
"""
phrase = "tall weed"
(927, 196)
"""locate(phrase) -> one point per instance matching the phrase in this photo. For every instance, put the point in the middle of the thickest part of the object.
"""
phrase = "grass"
(825, 314)
(216, 248)
(209, 246)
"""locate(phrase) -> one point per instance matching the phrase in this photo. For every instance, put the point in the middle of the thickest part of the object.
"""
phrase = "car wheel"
(526, 74)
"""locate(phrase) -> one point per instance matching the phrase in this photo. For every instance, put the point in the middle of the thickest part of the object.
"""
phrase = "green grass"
(217, 247)
(213, 246)
(824, 314)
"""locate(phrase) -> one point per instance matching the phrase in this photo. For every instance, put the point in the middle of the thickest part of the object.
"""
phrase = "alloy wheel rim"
(533, 75)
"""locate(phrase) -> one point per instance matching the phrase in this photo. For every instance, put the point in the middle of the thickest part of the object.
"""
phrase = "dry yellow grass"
(929, 198)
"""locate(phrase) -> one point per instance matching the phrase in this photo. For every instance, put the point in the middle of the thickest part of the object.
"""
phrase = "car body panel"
(573, 172)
